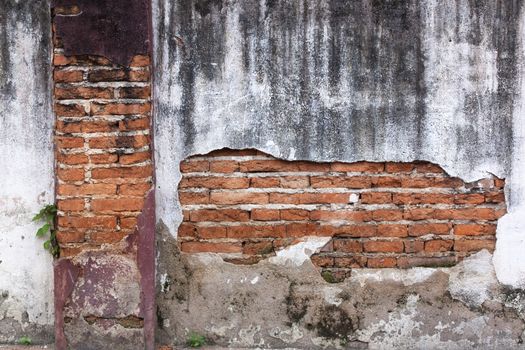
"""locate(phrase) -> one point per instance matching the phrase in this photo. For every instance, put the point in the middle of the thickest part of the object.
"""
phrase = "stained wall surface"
(26, 179)
(348, 81)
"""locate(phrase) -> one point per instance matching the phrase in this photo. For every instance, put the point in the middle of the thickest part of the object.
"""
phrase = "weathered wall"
(342, 81)
(345, 80)
(26, 160)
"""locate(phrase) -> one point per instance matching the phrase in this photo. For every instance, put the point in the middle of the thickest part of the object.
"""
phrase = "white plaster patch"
(297, 254)
(473, 280)
(330, 295)
(407, 277)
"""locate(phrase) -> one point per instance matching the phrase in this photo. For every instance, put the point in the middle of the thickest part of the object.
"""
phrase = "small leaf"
(47, 245)
(43, 230)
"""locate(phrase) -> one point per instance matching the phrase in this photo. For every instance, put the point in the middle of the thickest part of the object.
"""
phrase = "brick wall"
(246, 205)
(103, 153)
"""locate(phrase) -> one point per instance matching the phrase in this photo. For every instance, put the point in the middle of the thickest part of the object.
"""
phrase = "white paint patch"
(407, 277)
(297, 254)
(330, 295)
(254, 280)
(473, 280)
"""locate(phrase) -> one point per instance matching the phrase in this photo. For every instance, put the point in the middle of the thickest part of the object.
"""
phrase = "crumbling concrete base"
(278, 304)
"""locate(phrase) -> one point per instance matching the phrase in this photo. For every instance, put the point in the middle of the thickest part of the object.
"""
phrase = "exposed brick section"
(246, 205)
(104, 167)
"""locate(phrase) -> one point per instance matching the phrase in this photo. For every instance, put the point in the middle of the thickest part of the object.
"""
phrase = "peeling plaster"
(347, 81)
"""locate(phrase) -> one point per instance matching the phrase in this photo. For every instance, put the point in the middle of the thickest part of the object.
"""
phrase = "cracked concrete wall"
(26, 179)
(349, 81)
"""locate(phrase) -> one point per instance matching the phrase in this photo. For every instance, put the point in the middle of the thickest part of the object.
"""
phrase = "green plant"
(195, 340)
(25, 340)
(47, 215)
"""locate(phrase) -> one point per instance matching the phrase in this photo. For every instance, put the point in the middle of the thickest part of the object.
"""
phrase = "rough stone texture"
(26, 160)
(275, 305)
(346, 80)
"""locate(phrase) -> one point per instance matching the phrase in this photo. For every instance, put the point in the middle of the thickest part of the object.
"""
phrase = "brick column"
(104, 279)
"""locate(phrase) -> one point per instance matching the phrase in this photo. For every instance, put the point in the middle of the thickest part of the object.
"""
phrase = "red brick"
(425, 229)
(341, 214)
(72, 159)
(386, 181)
(309, 198)
(264, 182)
(207, 247)
(438, 245)
(107, 237)
(399, 167)
(224, 166)
(98, 126)
(71, 236)
(322, 260)
(134, 158)
(219, 215)
(392, 230)
(265, 215)
(418, 214)
(302, 229)
(139, 189)
(64, 76)
(108, 222)
(70, 204)
(211, 232)
(104, 158)
(474, 245)
(73, 174)
(466, 214)
(119, 108)
(69, 142)
(414, 246)
(495, 197)
(387, 215)
(194, 166)
(128, 222)
(120, 204)
(258, 248)
(376, 197)
(238, 198)
(128, 172)
(108, 75)
(130, 124)
(384, 262)
(69, 110)
(364, 167)
(139, 75)
(86, 189)
(294, 214)
(269, 165)
(352, 230)
(429, 168)
(423, 198)
(474, 198)
(355, 182)
(140, 61)
(294, 181)
(136, 141)
(187, 198)
(215, 182)
(474, 229)
(347, 246)
(135, 92)
(83, 93)
(383, 246)
(350, 262)
(425, 182)
(250, 231)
